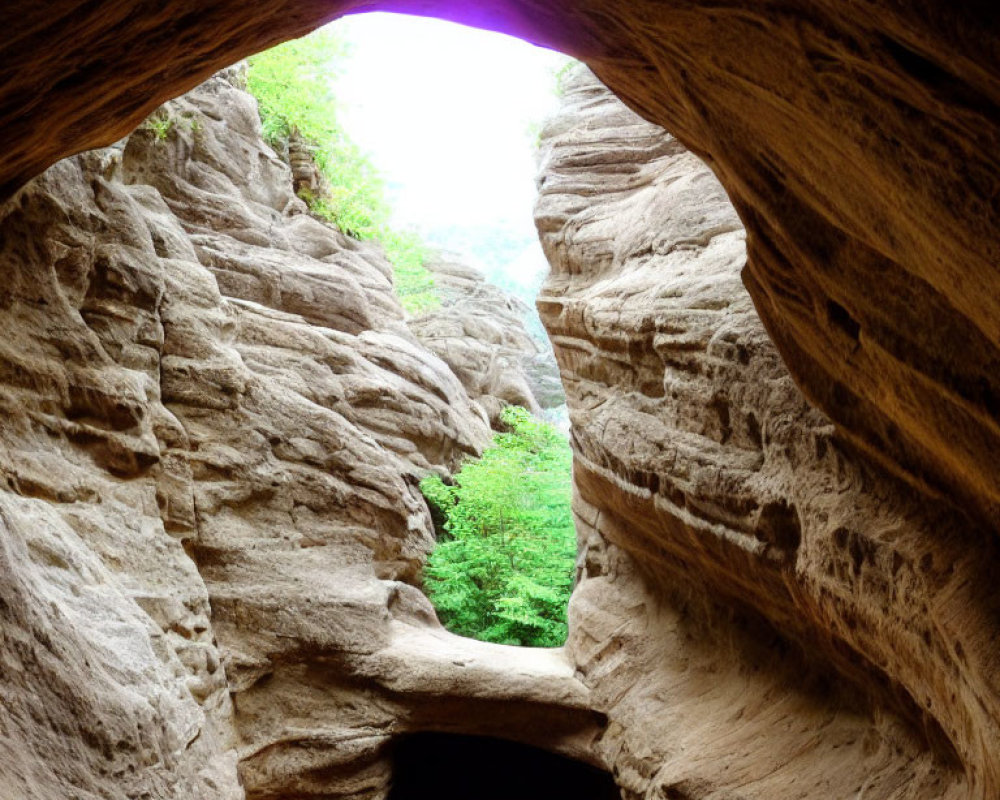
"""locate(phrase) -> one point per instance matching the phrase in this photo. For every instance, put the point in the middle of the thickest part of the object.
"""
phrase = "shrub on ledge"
(503, 567)
(293, 87)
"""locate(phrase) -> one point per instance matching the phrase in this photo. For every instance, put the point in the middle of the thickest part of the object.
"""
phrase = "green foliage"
(414, 282)
(160, 123)
(534, 134)
(293, 84)
(503, 568)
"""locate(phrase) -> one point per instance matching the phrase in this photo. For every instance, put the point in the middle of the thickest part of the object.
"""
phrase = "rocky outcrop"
(760, 613)
(479, 332)
(215, 423)
(856, 141)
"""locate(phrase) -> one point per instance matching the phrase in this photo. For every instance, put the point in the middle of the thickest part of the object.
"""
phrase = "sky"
(449, 115)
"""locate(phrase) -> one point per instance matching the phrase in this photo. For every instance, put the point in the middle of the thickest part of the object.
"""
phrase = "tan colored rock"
(215, 423)
(479, 332)
(112, 683)
(760, 613)
(858, 145)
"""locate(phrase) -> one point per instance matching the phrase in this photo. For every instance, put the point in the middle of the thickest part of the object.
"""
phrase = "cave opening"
(424, 136)
(446, 766)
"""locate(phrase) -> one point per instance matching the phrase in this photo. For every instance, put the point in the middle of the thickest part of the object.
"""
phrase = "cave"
(454, 767)
(784, 364)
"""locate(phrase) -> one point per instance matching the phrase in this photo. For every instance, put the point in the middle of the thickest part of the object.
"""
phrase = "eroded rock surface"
(215, 423)
(858, 144)
(479, 331)
(760, 613)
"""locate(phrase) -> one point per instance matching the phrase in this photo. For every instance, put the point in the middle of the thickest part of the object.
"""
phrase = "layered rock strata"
(479, 331)
(215, 423)
(858, 142)
(760, 613)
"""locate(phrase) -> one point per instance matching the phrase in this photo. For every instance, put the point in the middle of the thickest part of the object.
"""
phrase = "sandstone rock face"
(215, 423)
(479, 332)
(112, 681)
(760, 613)
(858, 145)
(857, 141)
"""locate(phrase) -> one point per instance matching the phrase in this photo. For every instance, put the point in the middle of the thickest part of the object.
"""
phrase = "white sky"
(446, 113)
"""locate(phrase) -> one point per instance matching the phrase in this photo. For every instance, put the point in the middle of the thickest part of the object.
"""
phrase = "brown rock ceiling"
(857, 140)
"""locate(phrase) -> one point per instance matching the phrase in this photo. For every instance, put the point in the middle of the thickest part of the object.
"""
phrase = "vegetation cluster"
(503, 567)
(294, 87)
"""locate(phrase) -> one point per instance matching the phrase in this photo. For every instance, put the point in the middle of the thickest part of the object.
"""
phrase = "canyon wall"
(215, 423)
(201, 435)
(479, 331)
(761, 613)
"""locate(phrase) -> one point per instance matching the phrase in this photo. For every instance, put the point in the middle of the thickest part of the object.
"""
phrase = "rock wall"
(857, 142)
(761, 613)
(479, 331)
(215, 423)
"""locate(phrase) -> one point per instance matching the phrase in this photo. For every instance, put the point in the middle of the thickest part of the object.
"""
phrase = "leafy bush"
(414, 282)
(160, 123)
(293, 84)
(503, 567)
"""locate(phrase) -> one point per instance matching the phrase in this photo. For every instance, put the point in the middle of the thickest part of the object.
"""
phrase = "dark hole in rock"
(455, 767)
(841, 318)
(779, 525)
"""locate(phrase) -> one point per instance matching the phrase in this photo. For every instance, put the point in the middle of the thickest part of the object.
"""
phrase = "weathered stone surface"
(215, 423)
(760, 614)
(858, 142)
(112, 683)
(479, 332)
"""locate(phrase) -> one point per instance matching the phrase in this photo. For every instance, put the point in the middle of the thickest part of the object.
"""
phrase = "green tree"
(503, 568)
(293, 84)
